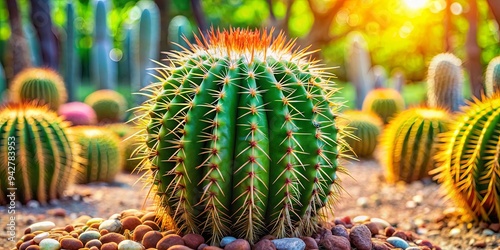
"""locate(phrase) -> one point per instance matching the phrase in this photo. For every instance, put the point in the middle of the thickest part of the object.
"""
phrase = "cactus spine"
(178, 30)
(445, 82)
(69, 51)
(358, 68)
(468, 159)
(386, 103)
(103, 68)
(492, 78)
(45, 155)
(242, 138)
(366, 128)
(109, 105)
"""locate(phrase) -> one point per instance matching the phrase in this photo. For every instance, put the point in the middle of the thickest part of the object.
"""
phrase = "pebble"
(418, 199)
(57, 212)
(266, 244)
(480, 244)
(40, 237)
(373, 227)
(193, 240)
(494, 226)
(340, 230)
(360, 237)
(360, 219)
(334, 242)
(26, 244)
(94, 221)
(488, 232)
(42, 226)
(111, 226)
(33, 204)
(33, 247)
(413, 248)
(140, 231)
(93, 243)
(310, 243)
(454, 232)
(362, 202)
(411, 204)
(168, 241)
(179, 247)
(151, 224)
(239, 244)
(130, 222)
(109, 246)
(88, 236)
(151, 238)
(112, 237)
(130, 245)
(398, 242)
(289, 244)
(382, 223)
(226, 240)
(49, 244)
(71, 244)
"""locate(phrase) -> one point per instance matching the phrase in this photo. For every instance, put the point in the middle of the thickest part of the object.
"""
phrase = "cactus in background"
(33, 45)
(70, 53)
(129, 145)
(44, 154)
(125, 64)
(398, 80)
(468, 159)
(492, 77)
(409, 143)
(3, 83)
(379, 77)
(103, 70)
(109, 105)
(366, 127)
(445, 81)
(44, 86)
(179, 29)
(100, 148)
(78, 113)
(358, 68)
(386, 103)
(242, 139)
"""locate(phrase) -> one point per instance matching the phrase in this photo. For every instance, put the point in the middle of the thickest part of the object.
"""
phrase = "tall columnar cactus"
(70, 53)
(109, 105)
(129, 145)
(179, 29)
(3, 83)
(103, 72)
(492, 78)
(379, 76)
(100, 149)
(468, 160)
(398, 80)
(445, 82)
(40, 85)
(358, 68)
(366, 128)
(409, 141)
(44, 155)
(78, 113)
(242, 138)
(386, 103)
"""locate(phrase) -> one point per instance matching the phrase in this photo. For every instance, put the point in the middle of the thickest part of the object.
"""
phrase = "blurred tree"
(17, 41)
(42, 21)
(473, 62)
(495, 9)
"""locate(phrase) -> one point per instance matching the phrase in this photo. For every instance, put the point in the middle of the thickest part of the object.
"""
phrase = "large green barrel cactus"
(469, 157)
(409, 143)
(39, 156)
(41, 85)
(384, 102)
(445, 82)
(366, 128)
(109, 105)
(242, 138)
(101, 152)
(492, 77)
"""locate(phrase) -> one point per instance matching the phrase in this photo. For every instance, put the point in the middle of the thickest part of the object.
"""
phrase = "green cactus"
(358, 68)
(386, 103)
(445, 81)
(379, 77)
(109, 105)
(366, 128)
(102, 67)
(468, 160)
(241, 138)
(70, 53)
(129, 145)
(44, 158)
(42, 85)
(3, 83)
(100, 150)
(179, 29)
(492, 77)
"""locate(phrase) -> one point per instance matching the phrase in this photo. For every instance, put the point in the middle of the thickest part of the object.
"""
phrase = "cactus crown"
(384, 102)
(445, 81)
(366, 127)
(492, 78)
(109, 105)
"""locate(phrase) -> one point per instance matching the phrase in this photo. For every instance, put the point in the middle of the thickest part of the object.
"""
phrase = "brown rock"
(151, 216)
(340, 230)
(112, 237)
(480, 244)
(33, 247)
(69, 228)
(380, 246)
(93, 248)
(109, 246)
(131, 222)
(93, 243)
(200, 247)
(28, 237)
(389, 231)
(152, 225)
(104, 231)
(494, 226)
(193, 240)
(239, 244)
(374, 228)
(57, 212)
(268, 237)
(168, 241)
(212, 248)
(401, 235)
(131, 212)
(151, 238)
(360, 237)
(179, 247)
(266, 244)
(71, 244)
(26, 244)
(140, 231)
(334, 242)
(310, 243)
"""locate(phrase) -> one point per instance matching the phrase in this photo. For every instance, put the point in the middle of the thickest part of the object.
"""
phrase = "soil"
(418, 207)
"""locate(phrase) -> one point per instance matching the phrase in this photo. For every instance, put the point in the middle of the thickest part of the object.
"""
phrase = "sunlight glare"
(416, 4)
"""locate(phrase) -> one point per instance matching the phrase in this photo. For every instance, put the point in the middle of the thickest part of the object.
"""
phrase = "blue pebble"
(226, 240)
(289, 244)
(398, 242)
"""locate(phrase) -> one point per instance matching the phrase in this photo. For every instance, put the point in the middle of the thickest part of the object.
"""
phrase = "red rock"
(151, 216)
(239, 244)
(168, 241)
(334, 242)
(179, 247)
(346, 220)
(57, 212)
(93, 248)
(389, 231)
(28, 237)
(480, 244)
(112, 237)
(69, 228)
(151, 224)
(380, 246)
(310, 243)
(494, 226)
(93, 243)
(151, 238)
(71, 244)
(104, 232)
(33, 247)
(401, 235)
(140, 231)
(360, 237)
(374, 228)
(109, 246)
(131, 222)
(266, 244)
(193, 240)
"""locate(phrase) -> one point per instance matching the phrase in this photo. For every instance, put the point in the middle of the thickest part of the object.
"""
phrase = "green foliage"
(109, 105)
(100, 150)
(386, 103)
(445, 81)
(241, 139)
(366, 128)
(492, 78)
(468, 159)
(40, 154)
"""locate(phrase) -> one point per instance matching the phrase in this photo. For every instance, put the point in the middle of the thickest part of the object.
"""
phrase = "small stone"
(130, 245)
(151, 216)
(413, 248)
(82, 219)
(69, 228)
(340, 230)
(382, 223)
(334, 242)
(425, 243)
(33, 204)
(111, 225)
(362, 202)
(140, 231)
(360, 219)
(346, 220)
(109, 246)
(239, 244)
(212, 248)
(93, 243)
(115, 217)
(360, 237)
(226, 240)
(193, 240)
(33, 247)
(151, 238)
(400, 234)
(112, 237)
(49, 244)
(179, 247)
(202, 246)
(266, 244)
(411, 204)
(94, 248)
(131, 212)
(488, 232)
(57, 212)
(71, 244)
(418, 199)
(26, 244)
(88, 236)
(130, 222)
(494, 226)
(42, 226)
(40, 237)
(398, 242)
(168, 241)
(310, 243)
(94, 220)
(480, 244)
(454, 232)
(380, 246)
(374, 228)
(152, 225)
(289, 244)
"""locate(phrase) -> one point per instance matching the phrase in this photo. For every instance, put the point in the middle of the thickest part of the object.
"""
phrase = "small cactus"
(358, 68)
(44, 158)
(366, 128)
(109, 105)
(384, 102)
(41, 85)
(129, 145)
(492, 78)
(100, 149)
(178, 30)
(445, 82)
(103, 69)
(78, 113)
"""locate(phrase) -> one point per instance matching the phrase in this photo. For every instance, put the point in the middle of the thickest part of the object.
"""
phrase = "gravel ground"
(418, 207)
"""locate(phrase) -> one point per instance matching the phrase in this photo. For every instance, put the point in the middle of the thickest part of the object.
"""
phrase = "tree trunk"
(41, 19)
(17, 41)
(495, 9)
(473, 63)
(163, 6)
(199, 15)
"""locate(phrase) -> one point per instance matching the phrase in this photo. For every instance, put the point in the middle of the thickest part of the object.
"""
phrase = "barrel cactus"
(78, 113)
(242, 138)
(38, 152)
(492, 77)
(445, 82)
(100, 150)
(366, 128)
(109, 105)
(129, 145)
(41, 85)
(384, 102)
